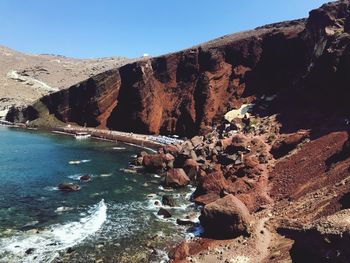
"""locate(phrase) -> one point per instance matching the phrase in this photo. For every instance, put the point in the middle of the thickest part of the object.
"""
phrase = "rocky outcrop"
(225, 217)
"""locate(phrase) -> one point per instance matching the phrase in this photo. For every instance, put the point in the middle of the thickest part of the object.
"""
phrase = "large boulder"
(154, 162)
(176, 177)
(172, 149)
(191, 168)
(226, 217)
(214, 182)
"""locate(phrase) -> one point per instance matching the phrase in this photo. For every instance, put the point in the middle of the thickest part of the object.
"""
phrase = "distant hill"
(25, 78)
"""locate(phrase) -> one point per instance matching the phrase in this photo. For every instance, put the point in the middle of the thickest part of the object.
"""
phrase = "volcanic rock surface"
(287, 160)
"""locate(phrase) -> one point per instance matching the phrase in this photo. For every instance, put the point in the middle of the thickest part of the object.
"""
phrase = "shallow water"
(111, 218)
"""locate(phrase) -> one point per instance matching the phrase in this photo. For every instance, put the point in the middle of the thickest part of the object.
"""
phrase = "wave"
(45, 245)
(51, 188)
(119, 148)
(79, 161)
(105, 175)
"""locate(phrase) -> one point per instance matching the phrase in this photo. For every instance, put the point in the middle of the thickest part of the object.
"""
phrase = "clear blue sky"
(98, 28)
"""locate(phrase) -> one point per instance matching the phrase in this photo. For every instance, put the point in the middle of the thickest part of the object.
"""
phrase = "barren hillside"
(25, 78)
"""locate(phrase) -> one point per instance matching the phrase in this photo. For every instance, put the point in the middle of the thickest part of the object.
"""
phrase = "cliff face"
(185, 92)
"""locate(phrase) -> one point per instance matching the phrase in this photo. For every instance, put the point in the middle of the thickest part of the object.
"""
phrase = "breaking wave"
(45, 245)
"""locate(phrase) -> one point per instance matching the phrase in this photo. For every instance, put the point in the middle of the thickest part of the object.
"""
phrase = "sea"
(112, 218)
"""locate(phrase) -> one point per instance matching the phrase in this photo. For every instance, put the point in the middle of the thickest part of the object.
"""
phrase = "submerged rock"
(167, 200)
(68, 187)
(85, 178)
(184, 222)
(163, 212)
(29, 251)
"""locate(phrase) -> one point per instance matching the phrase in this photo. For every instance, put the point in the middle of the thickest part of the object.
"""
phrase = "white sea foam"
(45, 245)
(119, 148)
(105, 175)
(51, 188)
(79, 161)
(162, 257)
(63, 209)
(75, 177)
(124, 220)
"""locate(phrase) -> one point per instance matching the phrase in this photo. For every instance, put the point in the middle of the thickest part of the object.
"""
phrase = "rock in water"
(163, 212)
(167, 200)
(176, 177)
(225, 218)
(184, 222)
(29, 251)
(85, 178)
(154, 162)
(68, 187)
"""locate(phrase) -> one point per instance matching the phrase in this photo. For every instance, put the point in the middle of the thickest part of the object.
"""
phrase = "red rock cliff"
(187, 91)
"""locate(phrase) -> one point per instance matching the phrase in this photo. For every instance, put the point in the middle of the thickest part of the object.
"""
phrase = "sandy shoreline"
(142, 140)
(151, 142)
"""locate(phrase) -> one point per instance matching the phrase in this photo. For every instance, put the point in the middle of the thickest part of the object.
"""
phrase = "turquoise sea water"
(111, 219)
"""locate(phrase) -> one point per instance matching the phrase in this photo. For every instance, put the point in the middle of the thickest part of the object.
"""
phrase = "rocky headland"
(267, 120)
